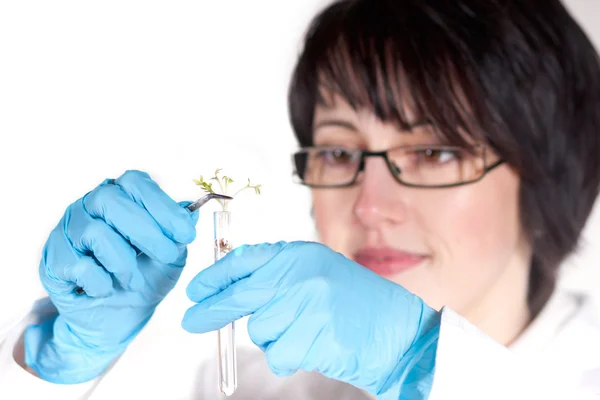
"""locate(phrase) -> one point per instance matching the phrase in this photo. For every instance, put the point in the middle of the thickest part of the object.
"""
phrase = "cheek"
(474, 230)
(474, 223)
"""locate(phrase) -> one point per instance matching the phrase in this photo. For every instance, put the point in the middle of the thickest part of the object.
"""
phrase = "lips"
(386, 261)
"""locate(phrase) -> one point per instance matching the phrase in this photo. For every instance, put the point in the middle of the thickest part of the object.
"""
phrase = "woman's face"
(461, 247)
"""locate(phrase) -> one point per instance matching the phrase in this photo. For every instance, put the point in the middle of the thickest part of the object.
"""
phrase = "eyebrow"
(349, 125)
(336, 122)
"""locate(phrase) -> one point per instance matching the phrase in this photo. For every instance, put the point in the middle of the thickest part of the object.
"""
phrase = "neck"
(503, 313)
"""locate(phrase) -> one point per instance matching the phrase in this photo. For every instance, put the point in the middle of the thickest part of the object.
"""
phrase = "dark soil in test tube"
(223, 246)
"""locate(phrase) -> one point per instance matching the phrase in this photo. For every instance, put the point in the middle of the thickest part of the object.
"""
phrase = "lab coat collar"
(562, 307)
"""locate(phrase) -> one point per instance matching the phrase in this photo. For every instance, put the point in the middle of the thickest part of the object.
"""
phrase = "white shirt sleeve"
(470, 365)
(16, 382)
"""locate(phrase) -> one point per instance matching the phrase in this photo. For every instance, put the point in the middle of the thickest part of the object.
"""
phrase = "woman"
(453, 153)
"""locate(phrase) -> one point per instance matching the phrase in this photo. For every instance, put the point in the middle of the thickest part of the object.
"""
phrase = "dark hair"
(519, 75)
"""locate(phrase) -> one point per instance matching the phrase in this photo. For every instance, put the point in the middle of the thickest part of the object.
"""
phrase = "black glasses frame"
(384, 154)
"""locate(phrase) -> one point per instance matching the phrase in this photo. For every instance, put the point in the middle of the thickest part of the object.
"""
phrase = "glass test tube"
(226, 335)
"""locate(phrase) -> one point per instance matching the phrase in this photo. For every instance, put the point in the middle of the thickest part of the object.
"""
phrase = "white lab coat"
(557, 357)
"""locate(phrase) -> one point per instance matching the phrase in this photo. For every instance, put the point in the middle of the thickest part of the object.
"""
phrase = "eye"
(437, 156)
(337, 156)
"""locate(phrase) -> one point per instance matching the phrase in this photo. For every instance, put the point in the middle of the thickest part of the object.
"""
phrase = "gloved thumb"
(195, 216)
(236, 265)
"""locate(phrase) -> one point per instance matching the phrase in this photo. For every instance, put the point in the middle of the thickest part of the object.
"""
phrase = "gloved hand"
(94, 246)
(313, 309)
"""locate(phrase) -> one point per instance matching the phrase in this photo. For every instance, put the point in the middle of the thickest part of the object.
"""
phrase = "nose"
(381, 199)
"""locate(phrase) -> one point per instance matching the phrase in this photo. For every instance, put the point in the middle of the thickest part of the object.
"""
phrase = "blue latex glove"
(94, 246)
(315, 310)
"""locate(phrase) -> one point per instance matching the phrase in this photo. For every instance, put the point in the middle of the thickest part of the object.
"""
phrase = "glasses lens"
(326, 166)
(437, 165)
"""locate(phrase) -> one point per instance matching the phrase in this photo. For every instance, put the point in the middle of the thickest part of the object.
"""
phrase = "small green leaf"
(205, 186)
(223, 183)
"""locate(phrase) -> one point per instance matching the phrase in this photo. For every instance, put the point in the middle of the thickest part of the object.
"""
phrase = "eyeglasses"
(426, 166)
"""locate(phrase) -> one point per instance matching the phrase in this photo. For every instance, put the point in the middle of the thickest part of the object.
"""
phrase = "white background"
(174, 88)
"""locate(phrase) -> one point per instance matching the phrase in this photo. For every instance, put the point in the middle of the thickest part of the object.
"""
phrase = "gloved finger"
(236, 265)
(267, 324)
(80, 271)
(174, 220)
(90, 276)
(309, 297)
(133, 222)
(294, 349)
(235, 302)
(162, 278)
(110, 249)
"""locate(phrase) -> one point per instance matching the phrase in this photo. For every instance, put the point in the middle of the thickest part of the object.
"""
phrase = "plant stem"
(223, 191)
